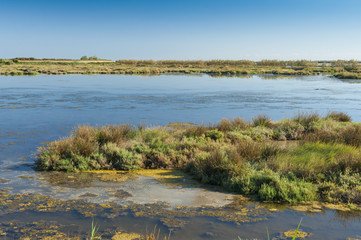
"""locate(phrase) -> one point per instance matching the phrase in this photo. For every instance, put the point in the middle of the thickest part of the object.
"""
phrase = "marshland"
(341, 69)
(195, 156)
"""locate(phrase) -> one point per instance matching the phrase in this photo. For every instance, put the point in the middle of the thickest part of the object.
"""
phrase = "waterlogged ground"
(35, 110)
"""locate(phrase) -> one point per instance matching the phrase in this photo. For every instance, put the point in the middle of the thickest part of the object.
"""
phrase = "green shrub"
(339, 116)
(352, 135)
(214, 135)
(290, 129)
(226, 125)
(307, 119)
(258, 133)
(213, 168)
(262, 121)
(346, 188)
(311, 159)
(236, 136)
(114, 134)
(121, 159)
(196, 131)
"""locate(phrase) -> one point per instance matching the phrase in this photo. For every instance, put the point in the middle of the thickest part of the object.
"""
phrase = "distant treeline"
(235, 63)
(203, 63)
(40, 59)
(342, 69)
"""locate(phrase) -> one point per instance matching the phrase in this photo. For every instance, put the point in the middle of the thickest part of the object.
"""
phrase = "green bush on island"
(258, 159)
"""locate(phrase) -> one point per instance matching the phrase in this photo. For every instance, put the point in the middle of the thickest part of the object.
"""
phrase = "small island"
(340, 69)
(306, 158)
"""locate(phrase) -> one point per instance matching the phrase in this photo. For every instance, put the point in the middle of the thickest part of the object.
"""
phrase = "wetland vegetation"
(305, 158)
(92, 65)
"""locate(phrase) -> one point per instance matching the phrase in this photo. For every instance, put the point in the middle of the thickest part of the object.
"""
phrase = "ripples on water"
(35, 110)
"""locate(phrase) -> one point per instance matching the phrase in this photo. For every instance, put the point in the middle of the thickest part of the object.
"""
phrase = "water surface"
(35, 110)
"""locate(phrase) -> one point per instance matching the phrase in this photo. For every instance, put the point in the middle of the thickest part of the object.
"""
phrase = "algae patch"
(299, 234)
(33, 230)
(169, 177)
(174, 222)
(126, 236)
(121, 194)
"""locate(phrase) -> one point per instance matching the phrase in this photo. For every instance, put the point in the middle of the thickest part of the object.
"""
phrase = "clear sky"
(181, 29)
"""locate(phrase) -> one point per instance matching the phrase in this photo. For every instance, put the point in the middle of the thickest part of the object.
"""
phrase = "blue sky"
(182, 29)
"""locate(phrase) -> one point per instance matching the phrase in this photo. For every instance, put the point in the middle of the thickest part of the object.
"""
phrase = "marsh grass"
(236, 155)
(155, 235)
(339, 116)
(92, 65)
(94, 232)
(262, 121)
(294, 237)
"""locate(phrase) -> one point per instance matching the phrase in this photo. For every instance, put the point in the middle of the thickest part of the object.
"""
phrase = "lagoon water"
(35, 110)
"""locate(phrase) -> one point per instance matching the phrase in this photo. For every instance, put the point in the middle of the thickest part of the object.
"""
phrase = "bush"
(262, 121)
(311, 159)
(259, 133)
(307, 119)
(352, 135)
(267, 185)
(121, 159)
(289, 129)
(226, 125)
(214, 135)
(339, 116)
(84, 141)
(196, 131)
(113, 134)
(213, 168)
(346, 188)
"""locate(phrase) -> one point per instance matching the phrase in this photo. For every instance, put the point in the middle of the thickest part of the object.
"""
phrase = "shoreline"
(340, 70)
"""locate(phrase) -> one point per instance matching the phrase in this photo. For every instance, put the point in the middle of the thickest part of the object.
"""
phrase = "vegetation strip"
(306, 158)
(30, 66)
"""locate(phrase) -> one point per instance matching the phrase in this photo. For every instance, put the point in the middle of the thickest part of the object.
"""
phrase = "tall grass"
(94, 232)
(155, 235)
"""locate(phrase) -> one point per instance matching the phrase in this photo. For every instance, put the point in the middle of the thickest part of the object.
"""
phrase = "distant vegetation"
(308, 157)
(89, 58)
(93, 65)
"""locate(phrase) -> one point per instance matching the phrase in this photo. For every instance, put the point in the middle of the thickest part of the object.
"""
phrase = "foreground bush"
(246, 158)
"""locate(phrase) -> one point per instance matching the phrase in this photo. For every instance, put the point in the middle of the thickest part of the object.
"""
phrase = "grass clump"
(262, 121)
(339, 116)
(323, 164)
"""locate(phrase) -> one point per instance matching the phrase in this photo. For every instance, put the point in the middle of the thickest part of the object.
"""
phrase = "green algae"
(173, 223)
(173, 218)
(34, 230)
(299, 234)
(73, 180)
(167, 177)
(121, 194)
(25, 177)
(170, 177)
(126, 236)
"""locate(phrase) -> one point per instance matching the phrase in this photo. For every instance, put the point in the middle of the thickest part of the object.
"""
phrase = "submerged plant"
(94, 232)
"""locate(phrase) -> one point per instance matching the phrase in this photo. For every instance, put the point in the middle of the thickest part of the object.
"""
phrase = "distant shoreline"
(339, 69)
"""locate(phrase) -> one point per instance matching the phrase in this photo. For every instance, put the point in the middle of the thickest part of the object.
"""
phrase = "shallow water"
(35, 110)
